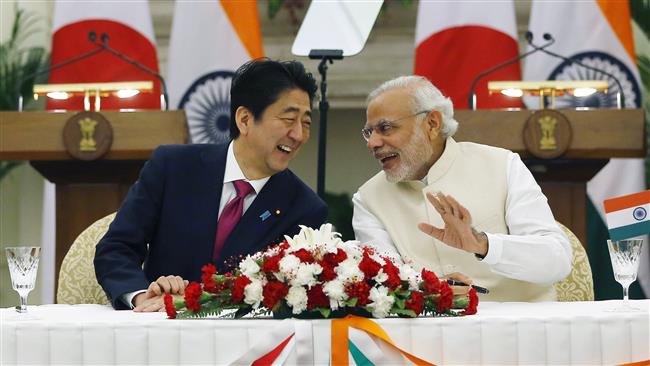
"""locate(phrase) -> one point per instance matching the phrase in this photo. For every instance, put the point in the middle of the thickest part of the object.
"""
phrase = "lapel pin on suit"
(277, 212)
(265, 215)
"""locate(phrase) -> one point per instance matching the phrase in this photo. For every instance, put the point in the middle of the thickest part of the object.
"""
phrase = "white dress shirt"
(535, 250)
(232, 173)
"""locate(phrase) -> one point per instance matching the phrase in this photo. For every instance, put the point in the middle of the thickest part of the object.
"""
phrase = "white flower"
(253, 293)
(297, 299)
(381, 276)
(407, 273)
(289, 265)
(381, 301)
(249, 267)
(316, 241)
(335, 291)
(353, 249)
(348, 270)
(306, 274)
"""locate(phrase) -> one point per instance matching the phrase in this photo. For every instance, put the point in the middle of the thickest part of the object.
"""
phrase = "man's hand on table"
(152, 299)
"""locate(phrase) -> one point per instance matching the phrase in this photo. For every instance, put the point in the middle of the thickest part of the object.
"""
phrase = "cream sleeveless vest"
(475, 175)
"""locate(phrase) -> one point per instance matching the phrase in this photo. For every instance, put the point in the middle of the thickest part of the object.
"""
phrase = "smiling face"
(413, 143)
(267, 144)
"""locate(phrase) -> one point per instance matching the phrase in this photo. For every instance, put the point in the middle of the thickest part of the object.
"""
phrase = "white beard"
(414, 156)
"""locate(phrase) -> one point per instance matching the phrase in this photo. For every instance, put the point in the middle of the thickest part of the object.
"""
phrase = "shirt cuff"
(127, 299)
(495, 249)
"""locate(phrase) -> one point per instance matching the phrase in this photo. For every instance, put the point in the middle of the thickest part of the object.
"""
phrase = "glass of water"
(23, 265)
(624, 255)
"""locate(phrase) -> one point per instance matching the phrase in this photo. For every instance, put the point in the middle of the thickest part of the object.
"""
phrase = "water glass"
(625, 255)
(23, 265)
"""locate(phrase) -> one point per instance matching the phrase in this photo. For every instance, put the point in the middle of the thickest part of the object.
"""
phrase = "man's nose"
(374, 141)
(296, 132)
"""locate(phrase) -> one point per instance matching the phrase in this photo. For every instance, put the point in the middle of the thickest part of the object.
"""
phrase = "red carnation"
(272, 264)
(192, 293)
(169, 306)
(329, 262)
(369, 266)
(430, 282)
(360, 290)
(416, 303)
(283, 246)
(473, 302)
(207, 278)
(392, 272)
(273, 292)
(328, 272)
(237, 294)
(316, 298)
(304, 256)
(446, 297)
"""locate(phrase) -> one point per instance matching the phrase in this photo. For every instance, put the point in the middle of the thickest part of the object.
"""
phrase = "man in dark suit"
(196, 204)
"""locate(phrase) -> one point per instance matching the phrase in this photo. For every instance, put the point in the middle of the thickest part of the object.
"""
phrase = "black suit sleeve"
(122, 251)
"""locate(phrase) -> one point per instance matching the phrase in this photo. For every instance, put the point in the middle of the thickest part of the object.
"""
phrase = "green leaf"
(460, 302)
(399, 303)
(351, 302)
(407, 312)
(325, 312)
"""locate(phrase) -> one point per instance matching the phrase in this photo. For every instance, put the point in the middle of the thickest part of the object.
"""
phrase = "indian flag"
(209, 41)
(627, 216)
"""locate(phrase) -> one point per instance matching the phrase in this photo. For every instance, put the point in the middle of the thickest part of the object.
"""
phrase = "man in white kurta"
(454, 207)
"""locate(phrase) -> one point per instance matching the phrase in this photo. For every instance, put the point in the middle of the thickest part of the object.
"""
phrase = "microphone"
(529, 36)
(620, 97)
(103, 45)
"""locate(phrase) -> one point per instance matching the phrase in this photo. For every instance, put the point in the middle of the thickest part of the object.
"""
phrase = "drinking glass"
(23, 265)
(624, 255)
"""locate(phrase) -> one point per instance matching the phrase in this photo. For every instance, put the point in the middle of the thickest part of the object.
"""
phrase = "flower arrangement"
(316, 274)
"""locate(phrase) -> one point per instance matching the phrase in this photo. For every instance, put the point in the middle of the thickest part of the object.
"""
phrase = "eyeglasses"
(384, 127)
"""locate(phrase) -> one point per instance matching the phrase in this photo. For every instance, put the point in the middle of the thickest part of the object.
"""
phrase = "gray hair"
(425, 97)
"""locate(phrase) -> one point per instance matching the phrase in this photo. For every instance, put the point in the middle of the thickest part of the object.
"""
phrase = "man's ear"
(434, 121)
(244, 119)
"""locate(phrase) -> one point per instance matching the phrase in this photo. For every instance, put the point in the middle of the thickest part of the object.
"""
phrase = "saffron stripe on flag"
(630, 231)
(627, 201)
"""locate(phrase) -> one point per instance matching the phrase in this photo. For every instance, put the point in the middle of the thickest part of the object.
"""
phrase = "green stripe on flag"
(359, 358)
(605, 286)
(630, 231)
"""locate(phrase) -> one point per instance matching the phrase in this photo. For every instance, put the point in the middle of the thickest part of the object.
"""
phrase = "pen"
(479, 289)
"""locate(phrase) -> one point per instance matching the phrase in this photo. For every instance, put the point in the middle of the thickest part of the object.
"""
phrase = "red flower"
(473, 302)
(273, 292)
(430, 282)
(207, 278)
(416, 303)
(360, 290)
(169, 306)
(316, 298)
(192, 293)
(329, 262)
(283, 246)
(237, 294)
(392, 272)
(304, 256)
(446, 297)
(272, 264)
(369, 266)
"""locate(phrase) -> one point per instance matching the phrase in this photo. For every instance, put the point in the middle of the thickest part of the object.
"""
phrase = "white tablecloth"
(580, 333)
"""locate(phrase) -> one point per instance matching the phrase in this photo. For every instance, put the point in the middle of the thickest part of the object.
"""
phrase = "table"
(501, 333)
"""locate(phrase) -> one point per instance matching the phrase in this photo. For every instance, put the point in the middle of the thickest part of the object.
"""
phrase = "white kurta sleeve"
(536, 249)
(369, 230)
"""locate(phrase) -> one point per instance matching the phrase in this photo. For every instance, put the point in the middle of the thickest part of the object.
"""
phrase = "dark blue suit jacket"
(168, 220)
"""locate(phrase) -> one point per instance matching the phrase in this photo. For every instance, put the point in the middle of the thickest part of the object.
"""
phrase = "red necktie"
(231, 215)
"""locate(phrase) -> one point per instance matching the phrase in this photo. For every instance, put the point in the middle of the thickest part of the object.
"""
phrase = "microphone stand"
(103, 45)
(324, 56)
(48, 69)
(620, 97)
(471, 102)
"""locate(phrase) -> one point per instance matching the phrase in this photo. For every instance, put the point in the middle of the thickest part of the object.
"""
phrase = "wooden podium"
(597, 136)
(87, 190)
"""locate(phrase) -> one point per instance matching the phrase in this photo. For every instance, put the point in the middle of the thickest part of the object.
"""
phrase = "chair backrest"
(579, 284)
(77, 281)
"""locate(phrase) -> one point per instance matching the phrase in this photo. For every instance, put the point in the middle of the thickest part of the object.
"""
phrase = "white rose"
(381, 301)
(297, 299)
(306, 274)
(249, 267)
(253, 293)
(289, 265)
(348, 270)
(407, 273)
